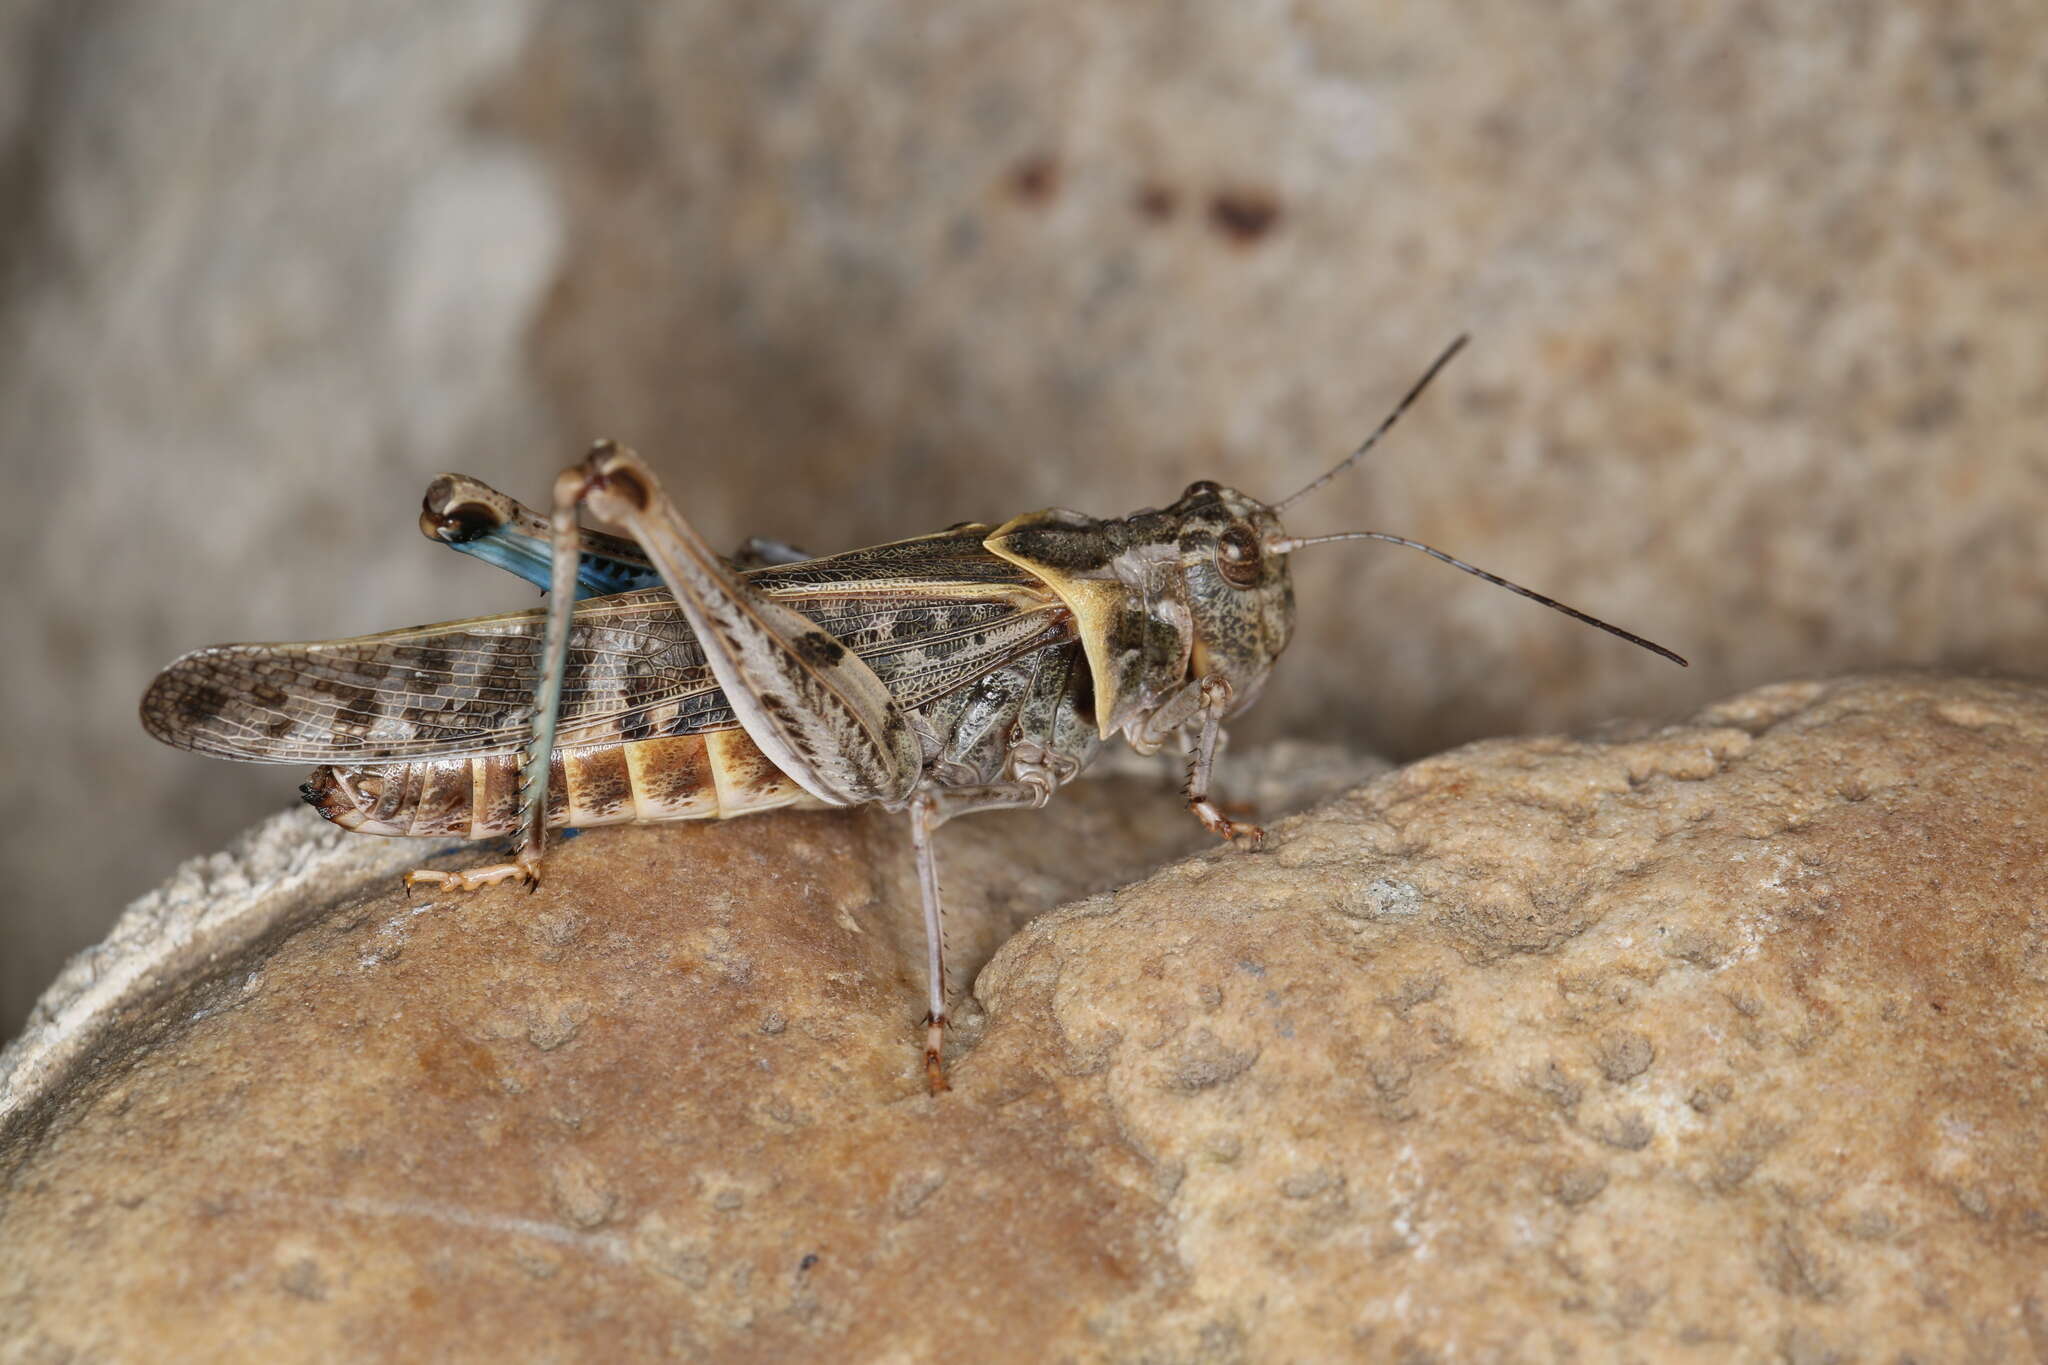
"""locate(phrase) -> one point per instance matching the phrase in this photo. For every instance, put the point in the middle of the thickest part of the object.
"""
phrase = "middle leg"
(922, 808)
(928, 810)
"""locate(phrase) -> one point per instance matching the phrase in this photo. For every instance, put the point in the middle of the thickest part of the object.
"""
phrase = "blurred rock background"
(1759, 295)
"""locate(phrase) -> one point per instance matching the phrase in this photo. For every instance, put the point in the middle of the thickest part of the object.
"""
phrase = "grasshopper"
(975, 668)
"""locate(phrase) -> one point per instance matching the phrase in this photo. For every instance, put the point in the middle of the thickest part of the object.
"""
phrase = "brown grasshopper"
(976, 668)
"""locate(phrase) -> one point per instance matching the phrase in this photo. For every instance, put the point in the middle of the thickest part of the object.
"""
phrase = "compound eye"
(1202, 488)
(1237, 556)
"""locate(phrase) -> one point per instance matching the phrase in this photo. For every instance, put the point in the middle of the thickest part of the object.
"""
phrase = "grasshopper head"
(1239, 592)
(1161, 598)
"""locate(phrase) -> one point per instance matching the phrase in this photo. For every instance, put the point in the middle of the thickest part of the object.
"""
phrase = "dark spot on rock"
(1157, 202)
(1630, 1132)
(302, 1279)
(1308, 1184)
(1036, 179)
(1798, 1268)
(1244, 216)
(1576, 1185)
(1932, 411)
(963, 237)
(1204, 1061)
(1623, 1055)
(809, 1260)
(1558, 1086)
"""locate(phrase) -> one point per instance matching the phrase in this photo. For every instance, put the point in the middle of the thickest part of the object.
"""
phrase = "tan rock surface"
(1728, 1041)
(389, 1081)
(1722, 1041)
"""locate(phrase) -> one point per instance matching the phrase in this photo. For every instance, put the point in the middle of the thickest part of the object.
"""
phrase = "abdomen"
(710, 776)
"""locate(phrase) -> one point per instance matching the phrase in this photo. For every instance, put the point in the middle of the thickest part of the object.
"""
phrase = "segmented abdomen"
(709, 776)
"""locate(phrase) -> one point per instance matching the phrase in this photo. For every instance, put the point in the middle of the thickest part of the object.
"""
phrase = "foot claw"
(1223, 827)
(935, 1054)
(475, 879)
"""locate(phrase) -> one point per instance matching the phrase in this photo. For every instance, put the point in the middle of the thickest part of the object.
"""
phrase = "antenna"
(1288, 544)
(1381, 430)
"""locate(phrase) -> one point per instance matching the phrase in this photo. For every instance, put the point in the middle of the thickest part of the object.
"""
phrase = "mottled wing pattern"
(462, 688)
(929, 615)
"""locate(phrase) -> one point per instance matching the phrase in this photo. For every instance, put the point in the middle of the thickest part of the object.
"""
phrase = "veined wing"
(928, 615)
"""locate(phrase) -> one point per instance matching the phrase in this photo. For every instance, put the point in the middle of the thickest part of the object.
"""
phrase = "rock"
(1727, 1040)
(1724, 1041)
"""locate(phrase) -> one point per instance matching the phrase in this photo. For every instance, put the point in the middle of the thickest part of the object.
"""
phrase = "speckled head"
(1163, 598)
(1239, 592)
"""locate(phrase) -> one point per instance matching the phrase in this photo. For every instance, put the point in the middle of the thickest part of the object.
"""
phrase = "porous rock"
(1727, 1040)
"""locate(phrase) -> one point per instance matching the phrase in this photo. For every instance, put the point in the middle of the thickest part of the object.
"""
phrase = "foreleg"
(1201, 705)
(1214, 702)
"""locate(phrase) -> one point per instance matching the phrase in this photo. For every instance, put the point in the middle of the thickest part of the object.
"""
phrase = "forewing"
(461, 688)
(928, 615)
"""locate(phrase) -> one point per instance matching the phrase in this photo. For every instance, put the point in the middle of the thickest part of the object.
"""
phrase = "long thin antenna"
(1381, 430)
(1289, 544)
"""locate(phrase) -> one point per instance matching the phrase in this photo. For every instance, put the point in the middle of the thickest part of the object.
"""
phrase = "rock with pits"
(1727, 1040)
